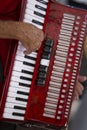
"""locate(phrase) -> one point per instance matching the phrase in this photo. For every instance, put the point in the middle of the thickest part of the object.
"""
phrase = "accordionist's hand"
(79, 87)
(30, 36)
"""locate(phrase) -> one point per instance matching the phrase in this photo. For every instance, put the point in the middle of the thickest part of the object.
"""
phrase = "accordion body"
(39, 87)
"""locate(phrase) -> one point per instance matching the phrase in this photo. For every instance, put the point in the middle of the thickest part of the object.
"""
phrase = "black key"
(22, 93)
(49, 42)
(29, 64)
(42, 1)
(25, 78)
(45, 55)
(19, 107)
(47, 49)
(41, 8)
(37, 22)
(43, 68)
(24, 85)
(21, 99)
(40, 82)
(29, 57)
(18, 114)
(27, 72)
(39, 14)
(42, 75)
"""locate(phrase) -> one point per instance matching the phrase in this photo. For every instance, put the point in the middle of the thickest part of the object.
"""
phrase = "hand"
(79, 88)
(30, 36)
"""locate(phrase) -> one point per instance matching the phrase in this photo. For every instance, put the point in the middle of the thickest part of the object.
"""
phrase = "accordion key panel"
(44, 91)
(17, 68)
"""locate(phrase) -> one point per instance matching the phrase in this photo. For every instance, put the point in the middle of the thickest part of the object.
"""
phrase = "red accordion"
(39, 87)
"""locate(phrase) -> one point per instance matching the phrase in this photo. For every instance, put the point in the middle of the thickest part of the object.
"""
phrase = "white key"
(20, 46)
(11, 105)
(17, 79)
(19, 68)
(29, 21)
(32, 12)
(16, 85)
(43, 0)
(33, 17)
(18, 74)
(13, 94)
(15, 89)
(10, 110)
(20, 65)
(21, 49)
(13, 100)
(20, 58)
(34, 2)
(20, 53)
(33, 8)
(10, 116)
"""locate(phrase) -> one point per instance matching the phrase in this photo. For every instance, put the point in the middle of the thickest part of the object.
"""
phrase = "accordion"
(39, 87)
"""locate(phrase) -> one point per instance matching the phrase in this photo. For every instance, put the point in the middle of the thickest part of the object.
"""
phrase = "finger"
(80, 86)
(27, 51)
(76, 96)
(82, 78)
(25, 45)
(30, 49)
(79, 89)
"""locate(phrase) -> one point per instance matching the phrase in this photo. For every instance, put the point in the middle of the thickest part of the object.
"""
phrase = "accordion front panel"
(44, 91)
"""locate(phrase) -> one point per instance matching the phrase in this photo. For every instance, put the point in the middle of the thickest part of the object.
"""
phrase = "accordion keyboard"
(23, 68)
